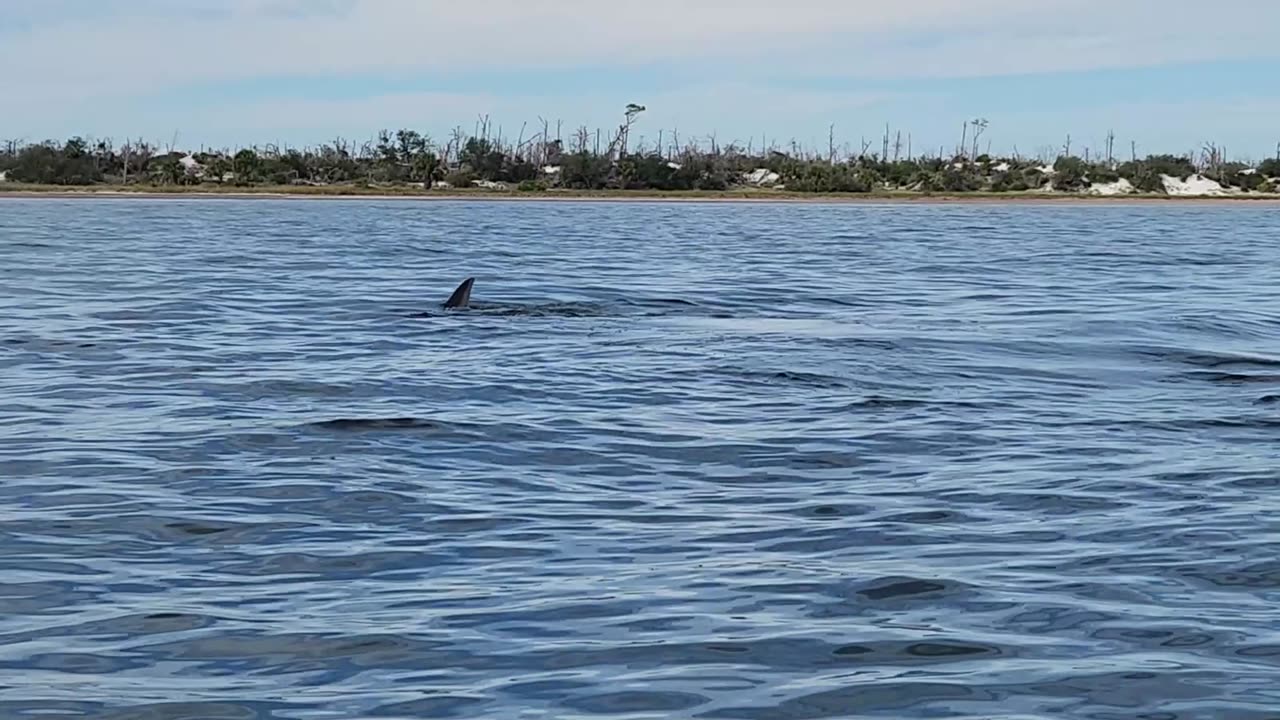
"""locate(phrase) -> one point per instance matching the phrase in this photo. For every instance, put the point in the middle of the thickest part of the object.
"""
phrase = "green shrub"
(1009, 182)
(648, 171)
(951, 179)
(1233, 175)
(408, 156)
(713, 180)
(1034, 178)
(585, 171)
(1239, 175)
(1101, 174)
(1174, 165)
(1069, 174)
(1143, 176)
(901, 173)
(1250, 181)
(460, 178)
(51, 165)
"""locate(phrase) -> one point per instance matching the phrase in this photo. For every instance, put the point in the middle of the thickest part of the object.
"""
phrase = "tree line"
(590, 161)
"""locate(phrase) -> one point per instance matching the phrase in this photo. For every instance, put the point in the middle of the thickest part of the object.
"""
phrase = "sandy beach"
(742, 196)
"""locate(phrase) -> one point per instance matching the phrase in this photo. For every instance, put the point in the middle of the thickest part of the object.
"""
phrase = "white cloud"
(109, 63)
(146, 45)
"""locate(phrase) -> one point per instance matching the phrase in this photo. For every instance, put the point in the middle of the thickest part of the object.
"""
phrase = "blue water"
(679, 461)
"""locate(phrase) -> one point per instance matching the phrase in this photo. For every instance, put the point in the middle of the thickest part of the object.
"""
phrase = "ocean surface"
(680, 460)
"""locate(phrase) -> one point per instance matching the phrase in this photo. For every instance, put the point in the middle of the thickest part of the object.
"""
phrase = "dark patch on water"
(788, 377)
(893, 588)
(1234, 378)
(360, 424)
(540, 310)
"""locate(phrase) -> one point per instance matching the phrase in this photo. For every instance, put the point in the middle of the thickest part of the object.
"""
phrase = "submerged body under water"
(679, 460)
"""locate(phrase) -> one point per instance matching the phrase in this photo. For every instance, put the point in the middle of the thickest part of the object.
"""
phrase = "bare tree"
(624, 131)
(456, 141)
(979, 127)
(1213, 157)
(545, 137)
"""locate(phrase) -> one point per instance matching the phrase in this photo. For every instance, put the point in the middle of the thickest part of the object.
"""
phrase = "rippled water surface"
(678, 461)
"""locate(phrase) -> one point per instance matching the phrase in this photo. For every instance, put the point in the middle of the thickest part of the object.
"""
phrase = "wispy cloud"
(143, 45)
(704, 62)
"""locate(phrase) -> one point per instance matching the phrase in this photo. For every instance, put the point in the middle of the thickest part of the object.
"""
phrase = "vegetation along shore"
(548, 165)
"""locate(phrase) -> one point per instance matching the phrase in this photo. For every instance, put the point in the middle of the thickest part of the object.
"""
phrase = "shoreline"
(705, 196)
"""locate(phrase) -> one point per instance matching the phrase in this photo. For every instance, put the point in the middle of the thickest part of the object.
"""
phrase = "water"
(680, 461)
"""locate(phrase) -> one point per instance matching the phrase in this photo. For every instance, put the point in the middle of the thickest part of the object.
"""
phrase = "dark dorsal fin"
(462, 296)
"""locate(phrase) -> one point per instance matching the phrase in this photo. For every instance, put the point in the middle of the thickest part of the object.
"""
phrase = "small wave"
(790, 377)
(1206, 359)
(662, 301)
(29, 244)
(877, 401)
(1230, 377)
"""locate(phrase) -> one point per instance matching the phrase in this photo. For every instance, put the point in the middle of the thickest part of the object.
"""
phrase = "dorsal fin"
(462, 296)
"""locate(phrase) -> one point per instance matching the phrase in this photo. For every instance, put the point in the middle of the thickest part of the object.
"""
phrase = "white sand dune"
(1195, 185)
(1119, 187)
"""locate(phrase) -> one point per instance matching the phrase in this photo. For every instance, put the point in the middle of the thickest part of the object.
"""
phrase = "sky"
(1168, 75)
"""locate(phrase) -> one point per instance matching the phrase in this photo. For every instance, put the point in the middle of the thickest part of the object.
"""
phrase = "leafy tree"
(168, 170)
(50, 165)
(246, 166)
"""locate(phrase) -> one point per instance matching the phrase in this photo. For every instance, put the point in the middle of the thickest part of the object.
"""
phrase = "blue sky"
(1169, 75)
